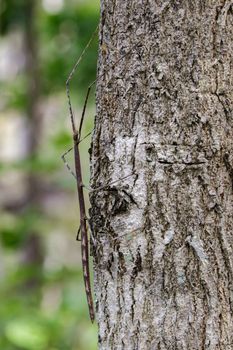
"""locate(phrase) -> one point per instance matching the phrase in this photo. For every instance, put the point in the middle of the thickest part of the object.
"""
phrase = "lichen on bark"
(163, 257)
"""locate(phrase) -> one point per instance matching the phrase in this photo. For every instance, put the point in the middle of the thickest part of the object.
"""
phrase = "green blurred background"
(43, 304)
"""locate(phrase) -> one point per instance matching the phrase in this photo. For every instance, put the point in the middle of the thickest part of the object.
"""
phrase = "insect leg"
(66, 163)
(63, 157)
(110, 183)
(93, 240)
(78, 234)
(90, 189)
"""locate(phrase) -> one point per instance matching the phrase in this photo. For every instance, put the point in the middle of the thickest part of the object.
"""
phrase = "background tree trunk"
(32, 250)
(164, 251)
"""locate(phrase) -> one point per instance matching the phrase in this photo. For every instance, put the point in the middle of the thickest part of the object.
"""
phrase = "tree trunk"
(163, 257)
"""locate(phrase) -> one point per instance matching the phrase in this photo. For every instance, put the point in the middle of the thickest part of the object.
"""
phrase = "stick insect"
(78, 175)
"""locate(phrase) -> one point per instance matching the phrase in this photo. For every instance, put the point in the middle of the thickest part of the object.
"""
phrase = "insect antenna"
(70, 77)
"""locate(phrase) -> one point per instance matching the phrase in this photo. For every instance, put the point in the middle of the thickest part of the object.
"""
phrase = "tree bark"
(163, 253)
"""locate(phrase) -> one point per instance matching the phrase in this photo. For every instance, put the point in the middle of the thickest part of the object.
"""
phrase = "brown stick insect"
(78, 176)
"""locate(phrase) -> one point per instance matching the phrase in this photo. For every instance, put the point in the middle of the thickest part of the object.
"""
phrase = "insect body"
(78, 176)
(83, 227)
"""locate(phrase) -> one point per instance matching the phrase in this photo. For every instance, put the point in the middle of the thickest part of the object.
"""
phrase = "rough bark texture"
(163, 257)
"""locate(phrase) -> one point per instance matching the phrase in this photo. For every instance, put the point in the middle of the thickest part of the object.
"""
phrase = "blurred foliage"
(55, 315)
(70, 31)
(12, 13)
(14, 229)
(62, 37)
